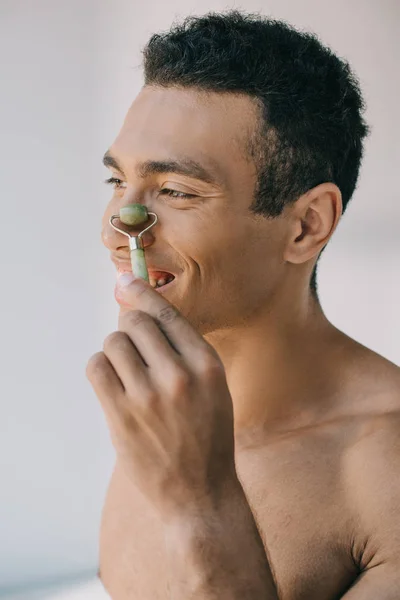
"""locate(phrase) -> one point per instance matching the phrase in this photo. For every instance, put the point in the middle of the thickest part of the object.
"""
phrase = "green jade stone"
(133, 214)
(139, 268)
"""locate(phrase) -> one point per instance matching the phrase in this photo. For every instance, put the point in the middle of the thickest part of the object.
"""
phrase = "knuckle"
(180, 382)
(167, 315)
(135, 318)
(95, 365)
(115, 340)
(210, 367)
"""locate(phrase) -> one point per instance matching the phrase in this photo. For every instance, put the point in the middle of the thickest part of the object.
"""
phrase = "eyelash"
(116, 183)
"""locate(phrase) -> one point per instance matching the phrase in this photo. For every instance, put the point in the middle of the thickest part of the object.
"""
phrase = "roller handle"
(138, 262)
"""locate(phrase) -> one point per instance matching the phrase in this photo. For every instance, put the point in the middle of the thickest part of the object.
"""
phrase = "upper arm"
(372, 483)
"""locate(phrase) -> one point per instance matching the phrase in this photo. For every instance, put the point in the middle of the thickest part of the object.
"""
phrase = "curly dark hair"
(311, 108)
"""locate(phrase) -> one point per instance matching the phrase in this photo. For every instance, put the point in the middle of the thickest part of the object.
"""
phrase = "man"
(257, 445)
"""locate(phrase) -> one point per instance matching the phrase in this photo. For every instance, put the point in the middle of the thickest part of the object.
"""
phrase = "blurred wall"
(69, 73)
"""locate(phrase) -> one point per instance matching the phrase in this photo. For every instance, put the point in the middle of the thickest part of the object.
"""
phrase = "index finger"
(139, 295)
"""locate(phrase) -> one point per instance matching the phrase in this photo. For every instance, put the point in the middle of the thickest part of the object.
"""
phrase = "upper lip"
(123, 263)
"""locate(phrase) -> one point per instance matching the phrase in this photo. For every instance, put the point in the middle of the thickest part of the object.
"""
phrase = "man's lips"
(156, 272)
(125, 267)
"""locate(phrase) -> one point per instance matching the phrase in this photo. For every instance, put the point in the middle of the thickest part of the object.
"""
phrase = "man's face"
(226, 260)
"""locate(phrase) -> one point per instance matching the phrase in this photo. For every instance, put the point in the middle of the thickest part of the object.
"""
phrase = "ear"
(313, 217)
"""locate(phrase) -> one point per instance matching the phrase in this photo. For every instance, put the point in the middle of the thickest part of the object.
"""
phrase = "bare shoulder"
(371, 383)
(371, 459)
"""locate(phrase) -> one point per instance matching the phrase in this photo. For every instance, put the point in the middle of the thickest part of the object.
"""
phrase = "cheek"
(240, 258)
(226, 247)
(221, 247)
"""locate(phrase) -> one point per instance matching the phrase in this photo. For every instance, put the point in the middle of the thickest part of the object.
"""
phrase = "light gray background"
(69, 73)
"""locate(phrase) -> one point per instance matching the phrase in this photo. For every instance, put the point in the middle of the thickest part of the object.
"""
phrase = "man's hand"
(164, 393)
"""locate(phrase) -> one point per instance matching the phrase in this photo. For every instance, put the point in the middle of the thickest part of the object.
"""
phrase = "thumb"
(127, 288)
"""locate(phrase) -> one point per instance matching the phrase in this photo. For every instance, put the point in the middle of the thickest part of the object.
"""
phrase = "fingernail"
(125, 279)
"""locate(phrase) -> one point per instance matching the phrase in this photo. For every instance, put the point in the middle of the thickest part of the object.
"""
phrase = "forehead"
(165, 123)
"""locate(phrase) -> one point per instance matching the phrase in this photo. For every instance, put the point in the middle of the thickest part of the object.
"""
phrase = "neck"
(278, 364)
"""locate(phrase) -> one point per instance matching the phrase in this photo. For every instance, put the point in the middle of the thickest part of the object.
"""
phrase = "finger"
(160, 356)
(107, 387)
(139, 295)
(128, 363)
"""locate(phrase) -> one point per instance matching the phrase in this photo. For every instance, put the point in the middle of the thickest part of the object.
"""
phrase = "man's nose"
(114, 240)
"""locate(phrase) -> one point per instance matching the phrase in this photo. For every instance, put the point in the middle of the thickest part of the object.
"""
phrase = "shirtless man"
(257, 445)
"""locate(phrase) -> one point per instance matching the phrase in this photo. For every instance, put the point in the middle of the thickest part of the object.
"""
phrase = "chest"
(300, 512)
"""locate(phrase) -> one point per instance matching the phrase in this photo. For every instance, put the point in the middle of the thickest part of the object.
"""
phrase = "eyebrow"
(183, 166)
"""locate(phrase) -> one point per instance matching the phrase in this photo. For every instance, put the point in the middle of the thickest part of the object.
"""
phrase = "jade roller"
(133, 215)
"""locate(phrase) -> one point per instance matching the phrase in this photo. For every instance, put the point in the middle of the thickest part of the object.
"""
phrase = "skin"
(257, 446)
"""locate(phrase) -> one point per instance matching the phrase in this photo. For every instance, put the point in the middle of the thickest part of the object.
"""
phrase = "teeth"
(160, 282)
